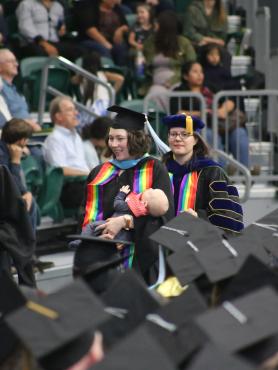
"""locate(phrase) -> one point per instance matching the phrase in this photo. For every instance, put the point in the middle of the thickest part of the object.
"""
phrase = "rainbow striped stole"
(94, 211)
(142, 180)
(143, 177)
(187, 191)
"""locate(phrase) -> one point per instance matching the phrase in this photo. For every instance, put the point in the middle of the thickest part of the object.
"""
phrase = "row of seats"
(46, 182)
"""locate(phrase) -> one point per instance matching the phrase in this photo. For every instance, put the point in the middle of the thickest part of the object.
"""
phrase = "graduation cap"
(221, 260)
(190, 123)
(127, 119)
(212, 357)
(252, 275)
(173, 327)
(139, 351)
(94, 249)
(58, 328)
(186, 235)
(243, 322)
(265, 231)
(11, 299)
(129, 301)
(99, 275)
(186, 231)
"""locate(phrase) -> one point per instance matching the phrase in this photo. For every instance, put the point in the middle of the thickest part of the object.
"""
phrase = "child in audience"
(142, 28)
(217, 74)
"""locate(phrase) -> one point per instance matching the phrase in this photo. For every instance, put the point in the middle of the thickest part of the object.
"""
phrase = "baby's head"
(156, 202)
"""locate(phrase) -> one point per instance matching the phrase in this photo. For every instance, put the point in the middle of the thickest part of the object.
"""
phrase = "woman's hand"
(192, 212)
(111, 227)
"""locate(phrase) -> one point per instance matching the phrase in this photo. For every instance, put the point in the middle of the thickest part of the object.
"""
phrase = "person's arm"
(119, 34)
(68, 171)
(120, 205)
(187, 50)
(226, 107)
(191, 25)
(93, 33)
(211, 40)
(116, 79)
(223, 209)
(51, 50)
(132, 41)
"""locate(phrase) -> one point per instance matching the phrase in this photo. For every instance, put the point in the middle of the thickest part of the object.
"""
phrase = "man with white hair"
(64, 148)
(16, 103)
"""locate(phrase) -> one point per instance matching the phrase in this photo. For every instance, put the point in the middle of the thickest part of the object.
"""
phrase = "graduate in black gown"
(131, 165)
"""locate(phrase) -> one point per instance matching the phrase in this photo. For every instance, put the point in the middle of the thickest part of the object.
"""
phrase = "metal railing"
(44, 89)
(260, 125)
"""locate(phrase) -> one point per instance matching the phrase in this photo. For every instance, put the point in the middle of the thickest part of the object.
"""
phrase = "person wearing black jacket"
(17, 242)
(102, 26)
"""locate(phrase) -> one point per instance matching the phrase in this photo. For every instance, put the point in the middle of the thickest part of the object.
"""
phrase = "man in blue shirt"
(16, 103)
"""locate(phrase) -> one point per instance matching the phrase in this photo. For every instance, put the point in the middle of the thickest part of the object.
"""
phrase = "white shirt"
(64, 148)
(91, 156)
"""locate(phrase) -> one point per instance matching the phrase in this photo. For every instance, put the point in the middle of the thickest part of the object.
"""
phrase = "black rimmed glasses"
(182, 135)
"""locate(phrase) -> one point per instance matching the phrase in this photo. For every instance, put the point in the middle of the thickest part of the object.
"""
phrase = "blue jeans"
(238, 144)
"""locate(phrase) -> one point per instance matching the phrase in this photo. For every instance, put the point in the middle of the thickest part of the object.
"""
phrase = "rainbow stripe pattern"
(142, 180)
(93, 211)
(187, 191)
(143, 177)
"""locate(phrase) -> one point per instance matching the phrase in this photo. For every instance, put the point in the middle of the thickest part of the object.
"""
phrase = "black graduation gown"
(146, 251)
(216, 199)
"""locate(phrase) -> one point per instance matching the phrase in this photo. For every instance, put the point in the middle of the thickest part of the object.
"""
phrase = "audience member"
(102, 27)
(94, 95)
(42, 24)
(217, 75)
(193, 80)
(5, 114)
(143, 27)
(16, 234)
(206, 22)
(160, 6)
(15, 135)
(165, 52)
(94, 136)
(16, 103)
(63, 148)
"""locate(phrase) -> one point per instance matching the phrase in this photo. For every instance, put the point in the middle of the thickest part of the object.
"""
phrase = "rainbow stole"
(93, 210)
(142, 180)
(187, 191)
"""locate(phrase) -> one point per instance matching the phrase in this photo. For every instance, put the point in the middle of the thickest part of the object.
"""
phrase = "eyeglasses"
(182, 135)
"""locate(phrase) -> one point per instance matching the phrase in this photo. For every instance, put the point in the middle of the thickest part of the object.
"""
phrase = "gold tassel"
(189, 125)
(42, 310)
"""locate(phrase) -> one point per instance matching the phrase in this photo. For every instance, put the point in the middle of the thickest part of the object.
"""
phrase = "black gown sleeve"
(219, 200)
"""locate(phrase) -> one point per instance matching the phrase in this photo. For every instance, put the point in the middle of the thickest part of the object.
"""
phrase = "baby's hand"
(125, 189)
